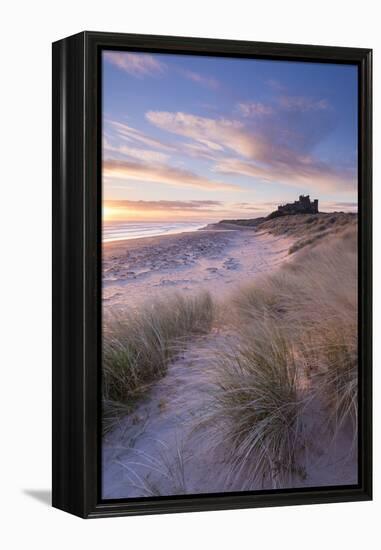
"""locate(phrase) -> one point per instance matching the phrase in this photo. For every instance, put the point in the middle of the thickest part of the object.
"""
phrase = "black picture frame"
(77, 273)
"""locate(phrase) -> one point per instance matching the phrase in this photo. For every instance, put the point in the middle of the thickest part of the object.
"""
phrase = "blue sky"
(196, 137)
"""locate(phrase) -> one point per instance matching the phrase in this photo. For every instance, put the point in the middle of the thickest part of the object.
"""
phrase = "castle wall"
(302, 206)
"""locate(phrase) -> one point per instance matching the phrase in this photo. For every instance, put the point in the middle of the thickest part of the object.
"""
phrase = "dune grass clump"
(257, 407)
(315, 299)
(296, 345)
(309, 230)
(336, 375)
(138, 346)
(326, 307)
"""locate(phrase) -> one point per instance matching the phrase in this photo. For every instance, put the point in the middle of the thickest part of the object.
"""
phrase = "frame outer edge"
(58, 204)
(68, 420)
(366, 270)
(76, 284)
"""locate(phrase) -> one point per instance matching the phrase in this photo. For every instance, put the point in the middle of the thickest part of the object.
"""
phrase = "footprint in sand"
(230, 263)
(166, 282)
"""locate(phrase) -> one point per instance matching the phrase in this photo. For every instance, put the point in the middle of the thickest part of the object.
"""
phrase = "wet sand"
(215, 260)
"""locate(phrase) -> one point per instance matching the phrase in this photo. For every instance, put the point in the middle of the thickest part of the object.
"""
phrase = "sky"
(208, 138)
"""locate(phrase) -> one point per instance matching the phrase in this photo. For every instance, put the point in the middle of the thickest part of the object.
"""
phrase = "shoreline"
(135, 231)
(210, 228)
(141, 240)
(140, 269)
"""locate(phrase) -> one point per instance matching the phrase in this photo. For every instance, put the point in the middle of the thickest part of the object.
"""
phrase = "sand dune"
(180, 437)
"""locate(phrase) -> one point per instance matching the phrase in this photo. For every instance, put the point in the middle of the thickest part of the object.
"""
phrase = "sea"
(121, 230)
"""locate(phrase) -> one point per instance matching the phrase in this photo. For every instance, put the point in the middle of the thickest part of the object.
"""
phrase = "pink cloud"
(275, 85)
(250, 109)
(268, 152)
(146, 155)
(206, 81)
(215, 134)
(339, 206)
(136, 64)
(197, 150)
(165, 205)
(303, 104)
(131, 134)
(158, 173)
(183, 209)
(303, 172)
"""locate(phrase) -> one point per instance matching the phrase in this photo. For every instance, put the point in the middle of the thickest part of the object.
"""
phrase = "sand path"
(156, 450)
(159, 449)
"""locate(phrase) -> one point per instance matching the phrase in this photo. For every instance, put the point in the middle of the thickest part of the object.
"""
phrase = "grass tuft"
(138, 347)
(257, 407)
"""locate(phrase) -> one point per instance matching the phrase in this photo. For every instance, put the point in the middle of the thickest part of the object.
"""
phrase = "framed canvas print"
(211, 274)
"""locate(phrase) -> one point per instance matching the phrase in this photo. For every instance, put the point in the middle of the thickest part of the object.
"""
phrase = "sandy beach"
(156, 449)
(163, 446)
(138, 270)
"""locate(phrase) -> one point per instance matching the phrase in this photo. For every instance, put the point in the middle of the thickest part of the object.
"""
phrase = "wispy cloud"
(165, 205)
(276, 150)
(168, 175)
(136, 64)
(276, 85)
(249, 206)
(302, 104)
(207, 210)
(343, 204)
(198, 150)
(145, 155)
(215, 134)
(207, 81)
(303, 172)
(130, 134)
(348, 206)
(252, 108)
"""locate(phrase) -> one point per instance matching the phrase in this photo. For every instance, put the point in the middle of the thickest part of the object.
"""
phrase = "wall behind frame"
(25, 111)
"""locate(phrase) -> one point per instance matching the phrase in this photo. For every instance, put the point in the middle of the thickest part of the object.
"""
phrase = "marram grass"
(137, 347)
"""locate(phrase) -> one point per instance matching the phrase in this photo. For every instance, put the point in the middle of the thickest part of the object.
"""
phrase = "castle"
(303, 206)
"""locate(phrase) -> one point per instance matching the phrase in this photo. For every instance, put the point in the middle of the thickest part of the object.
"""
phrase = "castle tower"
(304, 202)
